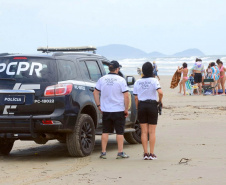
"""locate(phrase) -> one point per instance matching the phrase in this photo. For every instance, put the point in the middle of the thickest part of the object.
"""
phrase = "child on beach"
(191, 79)
(184, 71)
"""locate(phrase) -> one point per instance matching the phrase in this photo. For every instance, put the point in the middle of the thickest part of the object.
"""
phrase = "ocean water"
(166, 65)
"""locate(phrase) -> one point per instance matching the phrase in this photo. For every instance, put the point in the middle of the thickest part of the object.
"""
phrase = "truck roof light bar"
(66, 49)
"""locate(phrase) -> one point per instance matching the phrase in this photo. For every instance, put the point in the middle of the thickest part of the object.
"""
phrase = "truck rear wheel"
(134, 137)
(81, 141)
(5, 147)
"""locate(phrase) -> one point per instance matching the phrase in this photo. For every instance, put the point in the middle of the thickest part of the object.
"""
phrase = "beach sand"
(191, 127)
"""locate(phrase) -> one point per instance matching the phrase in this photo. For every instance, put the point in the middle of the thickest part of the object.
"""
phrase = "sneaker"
(146, 156)
(122, 155)
(103, 155)
(152, 156)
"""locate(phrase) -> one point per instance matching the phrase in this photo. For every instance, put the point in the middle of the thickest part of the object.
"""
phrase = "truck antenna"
(47, 41)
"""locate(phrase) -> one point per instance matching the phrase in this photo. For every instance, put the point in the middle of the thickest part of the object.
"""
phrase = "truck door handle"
(91, 89)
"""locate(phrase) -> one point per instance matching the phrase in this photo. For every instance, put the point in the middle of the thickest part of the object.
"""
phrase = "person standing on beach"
(145, 92)
(198, 71)
(208, 71)
(222, 78)
(215, 75)
(155, 70)
(184, 71)
(218, 82)
(113, 103)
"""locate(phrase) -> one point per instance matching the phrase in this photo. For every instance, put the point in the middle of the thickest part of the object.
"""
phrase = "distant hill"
(119, 51)
(189, 53)
(156, 54)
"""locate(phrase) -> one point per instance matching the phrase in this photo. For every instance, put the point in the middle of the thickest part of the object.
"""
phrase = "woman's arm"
(179, 69)
(136, 101)
(160, 95)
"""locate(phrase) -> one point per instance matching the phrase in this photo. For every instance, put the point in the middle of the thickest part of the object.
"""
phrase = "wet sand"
(190, 127)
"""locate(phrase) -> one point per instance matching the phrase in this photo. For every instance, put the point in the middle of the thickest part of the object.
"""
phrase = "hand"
(99, 108)
(126, 113)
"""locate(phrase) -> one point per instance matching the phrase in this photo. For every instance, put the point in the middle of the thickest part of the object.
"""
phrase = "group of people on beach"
(114, 103)
(197, 74)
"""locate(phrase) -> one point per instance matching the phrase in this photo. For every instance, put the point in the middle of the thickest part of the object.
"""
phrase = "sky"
(166, 26)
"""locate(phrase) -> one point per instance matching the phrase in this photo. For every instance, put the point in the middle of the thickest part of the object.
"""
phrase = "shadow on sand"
(53, 151)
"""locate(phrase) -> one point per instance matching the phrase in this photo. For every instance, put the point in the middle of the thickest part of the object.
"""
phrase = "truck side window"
(90, 70)
(84, 69)
(106, 68)
(94, 70)
(67, 70)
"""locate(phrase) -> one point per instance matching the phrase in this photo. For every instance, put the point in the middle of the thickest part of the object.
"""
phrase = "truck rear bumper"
(33, 124)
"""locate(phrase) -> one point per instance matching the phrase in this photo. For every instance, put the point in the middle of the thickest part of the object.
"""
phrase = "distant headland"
(119, 51)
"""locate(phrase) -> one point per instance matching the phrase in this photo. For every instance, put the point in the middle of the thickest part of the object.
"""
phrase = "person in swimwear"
(218, 82)
(222, 78)
(199, 71)
(208, 71)
(184, 71)
(215, 75)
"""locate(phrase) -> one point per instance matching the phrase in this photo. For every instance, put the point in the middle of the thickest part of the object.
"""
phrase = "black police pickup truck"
(50, 96)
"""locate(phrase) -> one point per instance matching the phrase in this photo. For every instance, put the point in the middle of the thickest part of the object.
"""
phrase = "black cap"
(114, 64)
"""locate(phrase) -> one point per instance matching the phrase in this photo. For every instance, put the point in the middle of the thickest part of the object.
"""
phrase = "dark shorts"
(198, 78)
(148, 112)
(114, 120)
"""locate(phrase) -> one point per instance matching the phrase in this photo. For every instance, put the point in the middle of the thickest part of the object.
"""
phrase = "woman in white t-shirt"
(146, 91)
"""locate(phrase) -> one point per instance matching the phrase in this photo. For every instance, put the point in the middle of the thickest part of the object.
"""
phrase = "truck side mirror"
(130, 80)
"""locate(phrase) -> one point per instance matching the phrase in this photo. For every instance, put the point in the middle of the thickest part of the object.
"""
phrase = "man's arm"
(136, 101)
(96, 95)
(126, 102)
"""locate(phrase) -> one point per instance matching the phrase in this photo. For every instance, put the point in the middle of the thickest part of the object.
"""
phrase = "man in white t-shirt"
(113, 103)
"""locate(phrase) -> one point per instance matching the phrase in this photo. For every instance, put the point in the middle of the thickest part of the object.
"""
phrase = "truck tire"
(81, 141)
(6, 147)
(134, 137)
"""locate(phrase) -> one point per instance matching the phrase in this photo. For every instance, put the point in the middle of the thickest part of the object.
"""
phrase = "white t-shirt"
(145, 89)
(112, 87)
